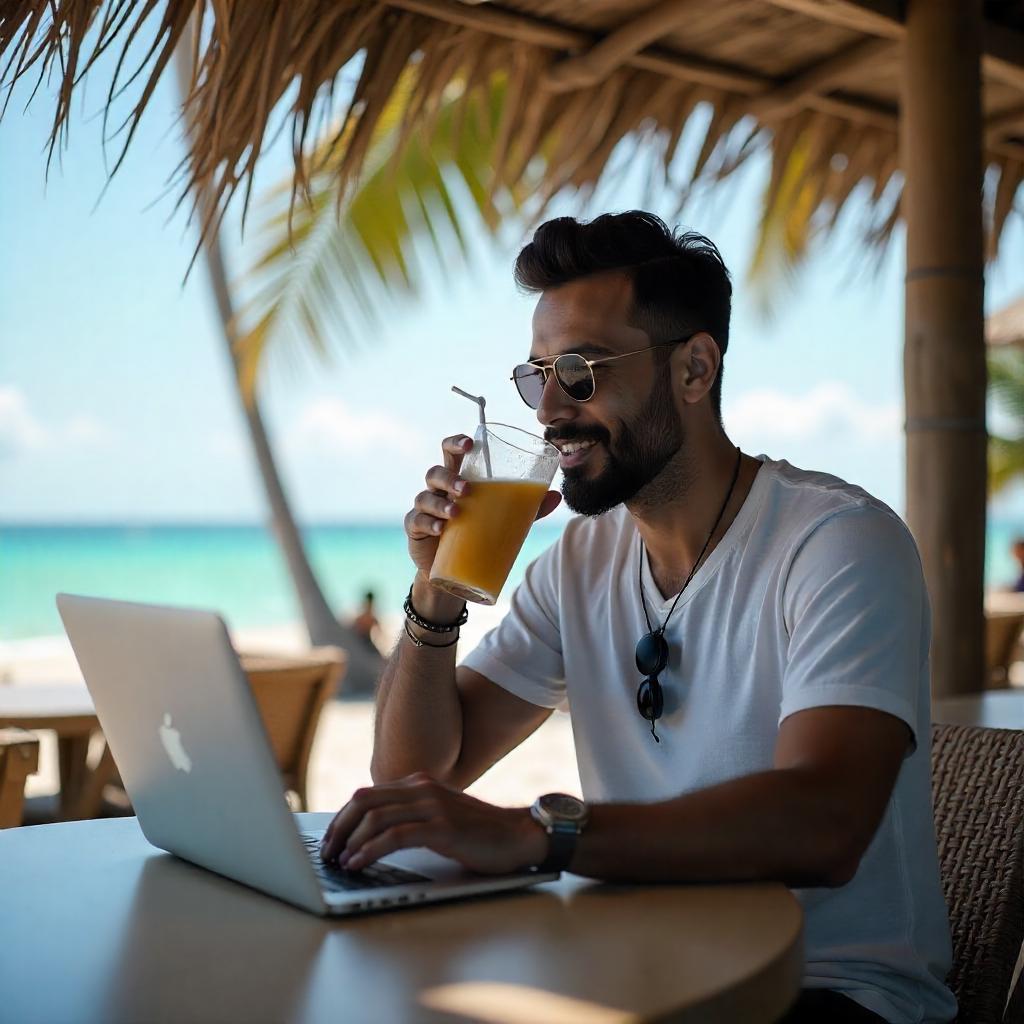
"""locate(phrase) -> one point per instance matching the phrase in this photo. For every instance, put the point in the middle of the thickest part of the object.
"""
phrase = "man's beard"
(640, 453)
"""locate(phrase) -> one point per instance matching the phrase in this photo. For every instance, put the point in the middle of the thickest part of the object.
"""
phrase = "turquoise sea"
(237, 569)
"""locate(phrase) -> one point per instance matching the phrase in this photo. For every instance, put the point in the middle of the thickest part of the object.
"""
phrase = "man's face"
(631, 427)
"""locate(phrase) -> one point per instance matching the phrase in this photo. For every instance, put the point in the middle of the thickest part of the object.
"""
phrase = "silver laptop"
(194, 757)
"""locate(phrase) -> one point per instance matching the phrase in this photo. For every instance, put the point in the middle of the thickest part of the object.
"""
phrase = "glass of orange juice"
(509, 471)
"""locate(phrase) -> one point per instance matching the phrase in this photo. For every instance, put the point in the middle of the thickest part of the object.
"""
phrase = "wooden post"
(944, 355)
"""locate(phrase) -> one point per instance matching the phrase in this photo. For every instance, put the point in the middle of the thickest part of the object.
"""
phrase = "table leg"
(89, 801)
(72, 756)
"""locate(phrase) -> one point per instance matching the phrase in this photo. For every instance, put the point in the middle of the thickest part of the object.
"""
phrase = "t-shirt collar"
(738, 528)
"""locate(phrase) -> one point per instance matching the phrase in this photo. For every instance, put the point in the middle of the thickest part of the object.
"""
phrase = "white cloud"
(19, 429)
(829, 410)
(22, 431)
(329, 426)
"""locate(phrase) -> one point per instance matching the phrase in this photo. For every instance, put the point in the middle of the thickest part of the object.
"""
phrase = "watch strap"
(561, 846)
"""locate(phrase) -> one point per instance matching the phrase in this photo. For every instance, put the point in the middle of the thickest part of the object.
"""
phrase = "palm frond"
(787, 226)
(1005, 462)
(1006, 382)
(1006, 387)
(330, 260)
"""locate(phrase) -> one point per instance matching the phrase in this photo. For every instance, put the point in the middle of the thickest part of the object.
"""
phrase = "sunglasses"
(574, 374)
(651, 658)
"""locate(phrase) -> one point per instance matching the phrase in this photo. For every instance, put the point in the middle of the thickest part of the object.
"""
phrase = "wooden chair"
(19, 758)
(291, 693)
(1002, 634)
(978, 794)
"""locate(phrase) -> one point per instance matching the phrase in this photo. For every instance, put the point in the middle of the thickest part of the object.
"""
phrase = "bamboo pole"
(944, 354)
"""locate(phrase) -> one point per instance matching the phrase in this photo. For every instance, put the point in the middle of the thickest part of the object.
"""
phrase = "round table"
(67, 709)
(993, 709)
(96, 925)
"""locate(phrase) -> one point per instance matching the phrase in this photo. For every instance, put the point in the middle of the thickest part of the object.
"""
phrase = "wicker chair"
(978, 792)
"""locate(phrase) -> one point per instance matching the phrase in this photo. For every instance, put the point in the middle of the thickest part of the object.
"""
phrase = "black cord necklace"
(652, 648)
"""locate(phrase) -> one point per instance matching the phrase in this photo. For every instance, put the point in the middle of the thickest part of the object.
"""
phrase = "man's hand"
(417, 811)
(436, 505)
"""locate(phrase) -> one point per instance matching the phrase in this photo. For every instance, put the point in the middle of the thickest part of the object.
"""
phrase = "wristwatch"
(563, 817)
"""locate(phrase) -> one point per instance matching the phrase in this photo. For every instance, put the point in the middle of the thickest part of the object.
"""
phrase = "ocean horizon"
(236, 567)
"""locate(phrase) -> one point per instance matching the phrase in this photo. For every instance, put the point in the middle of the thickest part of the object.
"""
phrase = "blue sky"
(115, 399)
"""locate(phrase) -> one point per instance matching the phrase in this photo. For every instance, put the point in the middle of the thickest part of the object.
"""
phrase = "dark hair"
(680, 283)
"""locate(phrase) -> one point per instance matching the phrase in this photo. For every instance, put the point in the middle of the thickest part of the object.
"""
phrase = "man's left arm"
(805, 822)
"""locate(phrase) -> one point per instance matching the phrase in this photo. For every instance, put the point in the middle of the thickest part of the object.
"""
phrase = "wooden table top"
(993, 709)
(48, 706)
(99, 926)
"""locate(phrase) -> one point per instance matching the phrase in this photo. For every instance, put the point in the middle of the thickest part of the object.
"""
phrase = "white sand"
(341, 753)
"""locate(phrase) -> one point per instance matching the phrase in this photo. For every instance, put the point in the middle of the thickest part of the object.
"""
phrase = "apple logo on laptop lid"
(171, 739)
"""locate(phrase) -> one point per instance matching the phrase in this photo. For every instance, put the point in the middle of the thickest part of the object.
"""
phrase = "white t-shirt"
(814, 597)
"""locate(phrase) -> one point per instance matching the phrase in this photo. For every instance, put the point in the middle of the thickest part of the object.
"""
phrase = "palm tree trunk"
(364, 665)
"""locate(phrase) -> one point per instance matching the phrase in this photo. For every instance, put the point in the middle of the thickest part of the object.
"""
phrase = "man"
(365, 623)
(780, 729)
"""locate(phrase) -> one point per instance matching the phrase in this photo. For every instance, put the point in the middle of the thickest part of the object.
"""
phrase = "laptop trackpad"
(426, 862)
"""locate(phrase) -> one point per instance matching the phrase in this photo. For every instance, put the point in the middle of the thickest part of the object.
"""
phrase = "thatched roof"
(1006, 327)
(816, 82)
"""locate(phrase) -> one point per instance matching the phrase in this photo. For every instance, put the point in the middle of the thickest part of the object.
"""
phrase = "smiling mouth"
(574, 452)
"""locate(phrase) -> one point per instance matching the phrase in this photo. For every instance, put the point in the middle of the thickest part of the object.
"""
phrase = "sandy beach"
(341, 753)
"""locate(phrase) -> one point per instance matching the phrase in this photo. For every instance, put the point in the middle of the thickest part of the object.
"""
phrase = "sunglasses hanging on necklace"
(652, 648)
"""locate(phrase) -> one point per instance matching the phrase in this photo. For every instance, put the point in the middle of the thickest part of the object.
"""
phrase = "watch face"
(560, 805)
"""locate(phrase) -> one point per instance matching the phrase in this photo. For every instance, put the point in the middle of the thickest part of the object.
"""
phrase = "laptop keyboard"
(375, 876)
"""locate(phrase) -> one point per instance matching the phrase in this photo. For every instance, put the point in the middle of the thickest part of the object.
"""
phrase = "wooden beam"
(820, 77)
(861, 110)
(1002, 48)
(670, 63)
(1006, 147)
(875, 17)
(499, 22)
(1005, 118)
(526, 29)
(856, 109)
(617, 47)
(688, 68)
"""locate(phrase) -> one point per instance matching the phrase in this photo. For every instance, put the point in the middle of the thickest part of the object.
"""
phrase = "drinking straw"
(480, 401)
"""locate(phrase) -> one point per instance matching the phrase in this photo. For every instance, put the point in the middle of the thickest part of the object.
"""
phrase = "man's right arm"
(452, 723)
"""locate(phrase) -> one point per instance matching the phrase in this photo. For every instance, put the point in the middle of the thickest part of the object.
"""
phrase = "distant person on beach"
(365, 622)
(742, 646)
(1018, 554)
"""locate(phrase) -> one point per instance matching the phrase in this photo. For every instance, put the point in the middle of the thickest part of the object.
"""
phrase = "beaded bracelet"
(435, 627)
(419, 643)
